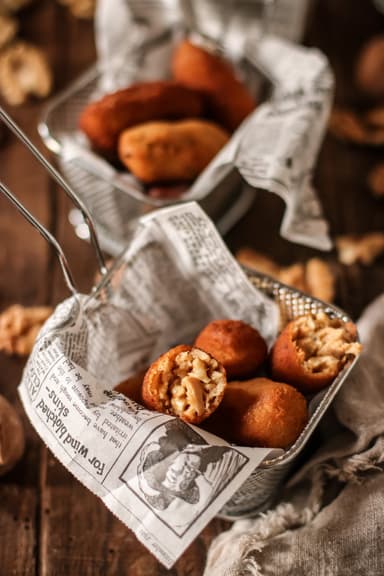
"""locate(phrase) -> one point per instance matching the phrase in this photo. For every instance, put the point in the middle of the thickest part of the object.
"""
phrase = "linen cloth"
(330, 518)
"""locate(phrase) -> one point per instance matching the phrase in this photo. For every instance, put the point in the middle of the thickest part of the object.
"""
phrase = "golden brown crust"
(185, 382)
(197, 68)
(311, 351)
(102, 121)
(260, 412)
(132, 386)
(235, 344)
(170, 151)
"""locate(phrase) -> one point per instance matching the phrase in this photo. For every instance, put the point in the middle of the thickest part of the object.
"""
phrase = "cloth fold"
(330, 519)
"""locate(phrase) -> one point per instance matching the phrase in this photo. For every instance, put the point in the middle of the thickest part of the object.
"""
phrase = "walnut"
(80, 8)
(370, 67)
(376, 180)
(294, 275)
(24, 71)
(257, 261)
(19, 327)
(13, 5)
(348, 125)
(8, 29)
(315, 277)
(360, 248)
(12, 440)
(320, 279)
(375, 117)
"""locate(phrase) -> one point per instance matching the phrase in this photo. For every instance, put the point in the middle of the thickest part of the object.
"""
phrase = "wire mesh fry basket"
(110, 302)
(115, 198)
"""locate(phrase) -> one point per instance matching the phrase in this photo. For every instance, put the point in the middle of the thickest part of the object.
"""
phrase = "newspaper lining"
(274, 150)
(165, 480)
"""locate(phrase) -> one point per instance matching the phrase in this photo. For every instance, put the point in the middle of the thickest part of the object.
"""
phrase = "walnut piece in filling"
(185, 382)
(325, 343)
(312, 349)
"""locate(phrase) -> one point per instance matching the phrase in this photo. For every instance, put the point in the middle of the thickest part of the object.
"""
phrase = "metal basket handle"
(70, 193)
(47, 235)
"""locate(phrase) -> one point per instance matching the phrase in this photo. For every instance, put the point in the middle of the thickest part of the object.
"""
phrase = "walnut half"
(19, 327)
(24, 72)
(185, 382)
(363, 248)
(8, 29)
(314, 277)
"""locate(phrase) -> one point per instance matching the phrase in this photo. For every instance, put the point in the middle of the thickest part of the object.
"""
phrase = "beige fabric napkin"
(330, 519)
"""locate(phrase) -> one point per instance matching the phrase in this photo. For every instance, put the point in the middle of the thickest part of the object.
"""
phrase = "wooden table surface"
(49, 523)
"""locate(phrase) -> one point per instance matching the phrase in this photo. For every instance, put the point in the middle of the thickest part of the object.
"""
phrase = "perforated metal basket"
(261, 488)
(115, 198)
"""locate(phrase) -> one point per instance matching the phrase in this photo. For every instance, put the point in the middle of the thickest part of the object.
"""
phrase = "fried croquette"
(230, 100)
(260, 412)
(312, 349)
(184, 382)
(131, 387)
(170, 151)
(102, 121)
(235, 344)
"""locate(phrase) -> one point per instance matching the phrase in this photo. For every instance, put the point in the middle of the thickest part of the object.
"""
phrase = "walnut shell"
(184, 382)
(12, 440)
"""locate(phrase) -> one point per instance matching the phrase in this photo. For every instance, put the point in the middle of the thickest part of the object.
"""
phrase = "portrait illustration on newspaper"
(179, 474)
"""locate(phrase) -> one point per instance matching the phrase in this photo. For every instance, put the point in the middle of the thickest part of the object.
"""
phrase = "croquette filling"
(325, 344)
(193, 384)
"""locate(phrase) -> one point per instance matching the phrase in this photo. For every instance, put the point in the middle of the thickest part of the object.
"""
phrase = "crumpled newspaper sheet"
(275, 149)
(164, 479)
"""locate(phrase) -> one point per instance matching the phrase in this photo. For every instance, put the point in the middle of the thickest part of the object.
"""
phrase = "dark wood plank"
(58, 526)
(18, 530)
(26, 278)
(80, 536)
(342, 169)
